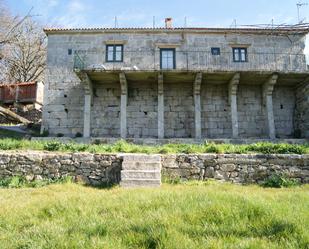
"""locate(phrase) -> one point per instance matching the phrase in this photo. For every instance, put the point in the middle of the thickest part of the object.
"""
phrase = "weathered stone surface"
(83, 167)
(64, 99)
(101, 168)
(248, 168)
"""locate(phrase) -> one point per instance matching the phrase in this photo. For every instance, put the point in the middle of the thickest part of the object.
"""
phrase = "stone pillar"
(87, 104)
(268, 88)
(160, 107)
(197, 105)
(87, 111)
(123, 105)
(233, 86)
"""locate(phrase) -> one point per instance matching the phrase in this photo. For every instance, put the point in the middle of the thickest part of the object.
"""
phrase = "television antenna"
(299, 5)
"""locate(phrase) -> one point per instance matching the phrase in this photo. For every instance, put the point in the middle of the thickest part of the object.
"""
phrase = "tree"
(22, 48)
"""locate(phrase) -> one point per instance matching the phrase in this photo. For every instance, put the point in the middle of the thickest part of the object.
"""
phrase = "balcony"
(191, 61)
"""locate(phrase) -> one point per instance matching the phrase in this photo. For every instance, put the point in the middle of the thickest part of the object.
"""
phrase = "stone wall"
(216, 112)
(142, 109)
(102, 168)
(251, 116)
(94, 169)
(284, 110)
(302, 111)
(235, 168)
(105, 111)
(178, 110)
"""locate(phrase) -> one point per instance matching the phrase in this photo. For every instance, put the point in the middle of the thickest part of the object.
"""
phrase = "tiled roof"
(284, 29)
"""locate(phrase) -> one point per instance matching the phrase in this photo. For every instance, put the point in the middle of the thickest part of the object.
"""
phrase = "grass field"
(191, 215)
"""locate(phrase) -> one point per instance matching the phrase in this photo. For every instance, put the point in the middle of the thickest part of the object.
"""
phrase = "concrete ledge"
(154, 141)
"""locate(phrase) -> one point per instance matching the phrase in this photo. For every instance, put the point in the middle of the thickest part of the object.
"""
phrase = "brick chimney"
(168, 23)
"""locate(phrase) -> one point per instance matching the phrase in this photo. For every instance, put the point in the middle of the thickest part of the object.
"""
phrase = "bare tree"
(22, 48)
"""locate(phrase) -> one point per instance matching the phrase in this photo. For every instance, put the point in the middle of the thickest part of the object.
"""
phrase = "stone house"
(177, 82)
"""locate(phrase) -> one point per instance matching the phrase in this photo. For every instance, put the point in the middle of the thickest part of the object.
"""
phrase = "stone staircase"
(141, 171)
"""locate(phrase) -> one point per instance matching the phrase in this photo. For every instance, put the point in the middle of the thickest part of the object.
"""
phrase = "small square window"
(69, 51)
(114, 53)
(215, 51)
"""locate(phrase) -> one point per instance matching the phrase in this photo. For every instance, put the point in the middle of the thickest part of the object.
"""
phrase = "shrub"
(270, 148)
(74, 147)
(45, 133)
(213, 148)
(279, 181)
(52, 146)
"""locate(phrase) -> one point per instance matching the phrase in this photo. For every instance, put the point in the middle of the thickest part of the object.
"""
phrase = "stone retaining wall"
(252, 168)
(101, 168)
(94, 169)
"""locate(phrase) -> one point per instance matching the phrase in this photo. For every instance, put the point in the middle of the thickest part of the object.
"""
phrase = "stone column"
(233, 86)
(197, 105)
(87, 104)
(160, 106)
(268, 88)
(123, 105)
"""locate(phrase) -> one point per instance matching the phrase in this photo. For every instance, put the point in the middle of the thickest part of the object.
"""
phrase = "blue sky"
(138, 13)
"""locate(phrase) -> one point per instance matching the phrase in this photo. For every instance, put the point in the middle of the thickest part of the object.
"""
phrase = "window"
(70, 51)
(167, 56)
(240, 55)
(114, 53)
(215, 51)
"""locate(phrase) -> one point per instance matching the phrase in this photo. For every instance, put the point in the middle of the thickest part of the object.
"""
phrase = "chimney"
(168, 23)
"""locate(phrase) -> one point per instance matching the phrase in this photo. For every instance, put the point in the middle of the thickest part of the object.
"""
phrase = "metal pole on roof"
(116, 22)
(299, 5)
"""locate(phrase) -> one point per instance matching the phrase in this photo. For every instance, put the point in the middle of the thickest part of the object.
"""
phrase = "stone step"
(137, 165)
(140, 174)
(127, 183)
(141, 158)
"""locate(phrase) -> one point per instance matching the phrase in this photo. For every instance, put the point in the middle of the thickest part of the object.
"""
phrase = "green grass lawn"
(125, 147)
(192, 215)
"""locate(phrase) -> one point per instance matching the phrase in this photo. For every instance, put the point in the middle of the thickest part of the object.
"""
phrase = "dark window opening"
(65, 96)
(114, 53)
(66, 110)
(281, 107)
(167, 58)
(240, 55)
(69, 51)
(215, 51)
(146, 113)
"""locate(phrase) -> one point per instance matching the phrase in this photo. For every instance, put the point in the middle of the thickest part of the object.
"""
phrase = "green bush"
(52, 146)
(213, 148)
(280, 181)
(45, 133)
(270, 148)
(75, 147)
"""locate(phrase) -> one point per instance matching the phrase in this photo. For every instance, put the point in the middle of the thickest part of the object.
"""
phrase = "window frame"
(239, 54)
(174, 58)
(114, 52)
(213, 49)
